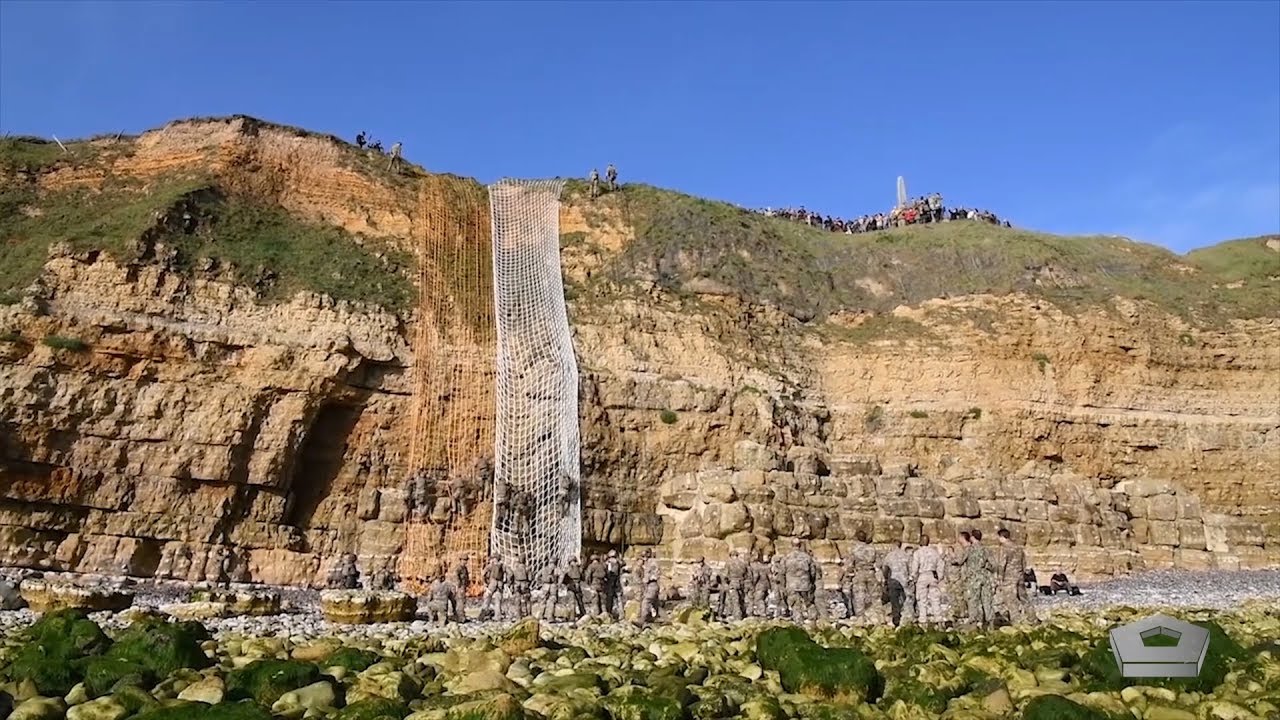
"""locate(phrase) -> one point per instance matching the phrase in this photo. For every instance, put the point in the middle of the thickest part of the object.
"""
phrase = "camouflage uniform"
(978, 570)
(519, 579)
(611, 175)
(736, 574)
(1011, 598)
(440, 598)
(849, 586)
(759, 578)
(345, 576)
(595, 183)
(897, 565)
(957, 587)
(867, 582)
(548, 580)
(778, 580)
(461, 579)
(700, 584)
(494, 577)
(650, 601)
(927, 572)
(613, 568)
(799, 584)
(573, 583)
(597, 578)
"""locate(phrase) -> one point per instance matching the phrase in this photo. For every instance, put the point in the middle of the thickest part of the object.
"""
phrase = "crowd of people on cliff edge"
(918, 211)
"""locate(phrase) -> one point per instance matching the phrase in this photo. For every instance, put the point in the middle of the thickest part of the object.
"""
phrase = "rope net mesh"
(452, 410)
(537, 516)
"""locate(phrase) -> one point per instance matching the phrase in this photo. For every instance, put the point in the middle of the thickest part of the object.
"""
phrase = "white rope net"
(537, 514)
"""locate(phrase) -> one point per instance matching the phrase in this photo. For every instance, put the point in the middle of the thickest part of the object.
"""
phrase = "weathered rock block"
(358, 607)
(1162, 507)
(49, 595)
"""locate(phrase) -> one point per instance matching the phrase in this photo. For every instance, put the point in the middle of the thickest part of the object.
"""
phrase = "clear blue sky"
(1155, 120)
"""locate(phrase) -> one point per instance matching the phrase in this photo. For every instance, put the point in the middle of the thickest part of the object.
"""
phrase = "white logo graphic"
(1159, 646)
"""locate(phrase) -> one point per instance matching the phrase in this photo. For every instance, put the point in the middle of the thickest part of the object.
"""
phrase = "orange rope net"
(452, 411)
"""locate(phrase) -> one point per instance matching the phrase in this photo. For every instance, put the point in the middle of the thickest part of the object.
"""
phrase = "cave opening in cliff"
(321, 459)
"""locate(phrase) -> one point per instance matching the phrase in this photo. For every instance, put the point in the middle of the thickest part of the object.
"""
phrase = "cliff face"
(150, 414)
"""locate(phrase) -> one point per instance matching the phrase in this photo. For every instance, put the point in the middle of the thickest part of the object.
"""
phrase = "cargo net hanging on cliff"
(537, 515)
(451, 441)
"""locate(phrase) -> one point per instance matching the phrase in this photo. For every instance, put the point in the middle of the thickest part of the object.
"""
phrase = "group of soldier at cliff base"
(969, 584)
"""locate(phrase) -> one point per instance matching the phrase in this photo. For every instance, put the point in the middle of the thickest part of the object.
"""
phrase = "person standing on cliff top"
(594, 178)
(396, 160)
(611, 175)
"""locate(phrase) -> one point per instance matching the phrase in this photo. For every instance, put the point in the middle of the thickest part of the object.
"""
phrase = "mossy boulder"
(521, 638)
(373, 709)
(266, 680)
(135, 699)
(497, 707)
(246, 710)
(841, 674)
(103, 675)
(637, 703)
(353, 659)
(162, 646)
(56, 645)
(1056, 707)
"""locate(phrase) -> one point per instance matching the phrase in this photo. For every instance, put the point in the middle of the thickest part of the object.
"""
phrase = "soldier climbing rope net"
(536, 481)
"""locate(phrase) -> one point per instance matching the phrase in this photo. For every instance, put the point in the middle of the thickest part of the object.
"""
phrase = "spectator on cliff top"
(920, 210)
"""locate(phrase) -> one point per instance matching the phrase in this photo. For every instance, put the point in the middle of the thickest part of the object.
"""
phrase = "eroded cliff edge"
(154, 398)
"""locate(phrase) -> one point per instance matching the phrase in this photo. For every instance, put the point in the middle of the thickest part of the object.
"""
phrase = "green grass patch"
(668, 417)
(59, 342)
(873, 419)
(1160, 640)
(251, 236)
(918, 414)
(1041, 359)
(973, 413)
(10, 336)
(840, 674)
(810, 273)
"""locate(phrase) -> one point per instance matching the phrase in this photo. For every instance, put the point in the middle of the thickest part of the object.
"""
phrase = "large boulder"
(844, 675)
(264, 681)
(104, 708)
(373, 709)
(241, 602)
(637, 703)
(1056, 707)
(521, 638)
(358, 607)
(244, 710)
(11, 596)
(162, 646)
(53, 655)
(40, 708)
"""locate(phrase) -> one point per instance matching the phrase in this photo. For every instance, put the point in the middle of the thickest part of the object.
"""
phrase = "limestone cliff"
(162, 393)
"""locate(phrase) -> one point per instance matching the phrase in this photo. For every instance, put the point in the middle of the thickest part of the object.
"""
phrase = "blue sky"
(1158, 121)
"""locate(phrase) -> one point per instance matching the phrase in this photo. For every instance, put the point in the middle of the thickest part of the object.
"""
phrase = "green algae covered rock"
(373, 709)
(498, 707)
(1056, 707)
(569, 705)
(40, 708)
(162, 646)
(246, 710)
(521, 638)
(55, 645)
(353, 659)
(637, 703)
(104, 708)
(266, 680)
(842, 674)
(105, 674)
(761, 708)
(134, 699)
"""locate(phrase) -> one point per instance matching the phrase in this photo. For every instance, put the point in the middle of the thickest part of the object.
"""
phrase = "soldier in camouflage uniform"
(868, 584)
(518, 577)
(548, 578)
(778, 581)
(1011, 599)
(957, 589)
(897, 571)
(440, 598)
(597, 578)
(848, 586)
(700, 584)
(978, 571)
(614, 569)
(573, 583)
(494, 578)
(736, 574)
(651, 598)
(801, 576)
(595, 184)
(759, 579)
(461, 579)
(927, 571)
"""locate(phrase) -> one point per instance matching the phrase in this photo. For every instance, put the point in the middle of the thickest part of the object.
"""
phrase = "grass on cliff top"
(683, 243)
(248, 235)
